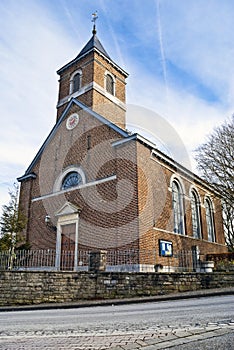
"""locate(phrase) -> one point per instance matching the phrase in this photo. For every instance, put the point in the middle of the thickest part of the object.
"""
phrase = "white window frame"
(79, 71)
(196, 229)
(210, 219)
(73, 168)
(114, 82)
(178, 209)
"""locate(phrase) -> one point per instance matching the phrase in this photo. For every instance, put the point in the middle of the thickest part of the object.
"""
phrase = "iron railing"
(116, 260)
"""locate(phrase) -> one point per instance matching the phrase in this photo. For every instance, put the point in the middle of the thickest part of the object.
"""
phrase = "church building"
(95, 186)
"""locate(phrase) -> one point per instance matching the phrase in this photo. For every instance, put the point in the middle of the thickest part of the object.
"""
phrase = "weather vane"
(94, 18)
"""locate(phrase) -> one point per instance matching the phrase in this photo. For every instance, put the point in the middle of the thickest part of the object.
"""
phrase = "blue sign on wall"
(165, 248)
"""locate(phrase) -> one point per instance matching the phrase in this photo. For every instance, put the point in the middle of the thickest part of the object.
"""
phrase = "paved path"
(145, 339)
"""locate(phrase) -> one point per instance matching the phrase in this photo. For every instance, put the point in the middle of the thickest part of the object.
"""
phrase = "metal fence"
(27, 259)
(116, 260)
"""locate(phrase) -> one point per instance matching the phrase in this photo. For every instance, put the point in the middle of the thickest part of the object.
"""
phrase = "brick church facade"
(95, 186)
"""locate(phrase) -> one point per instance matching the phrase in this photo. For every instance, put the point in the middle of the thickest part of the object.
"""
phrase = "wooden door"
(68, 247)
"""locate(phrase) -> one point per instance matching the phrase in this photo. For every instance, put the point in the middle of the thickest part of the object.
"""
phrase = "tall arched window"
(209, 220)
(110, 84)
(75, 81)
(178, 210)
(195, 209)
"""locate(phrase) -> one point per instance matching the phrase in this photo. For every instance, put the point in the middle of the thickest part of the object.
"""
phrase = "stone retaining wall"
(22, 288)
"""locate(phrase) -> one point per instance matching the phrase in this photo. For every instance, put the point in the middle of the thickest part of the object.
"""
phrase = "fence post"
(97, 261)
(195, 257)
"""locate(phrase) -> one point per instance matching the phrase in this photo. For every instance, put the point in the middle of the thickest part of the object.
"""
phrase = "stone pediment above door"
(68, 209)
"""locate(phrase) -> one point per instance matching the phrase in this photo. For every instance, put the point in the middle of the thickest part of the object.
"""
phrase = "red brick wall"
(155, 208)
(135, 210)
(93, 68)
(109, 211)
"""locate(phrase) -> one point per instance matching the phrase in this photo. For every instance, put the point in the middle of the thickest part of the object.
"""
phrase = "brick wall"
(156, 213)
(22, 288)
(93, 68)
(109, 213)
(134, 209)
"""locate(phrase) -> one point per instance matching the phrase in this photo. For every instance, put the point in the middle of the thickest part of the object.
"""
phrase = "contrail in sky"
(113, 35)
(70, 19)
(160, 38)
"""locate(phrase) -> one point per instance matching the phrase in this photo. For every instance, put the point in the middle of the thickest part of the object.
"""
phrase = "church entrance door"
(68, 238)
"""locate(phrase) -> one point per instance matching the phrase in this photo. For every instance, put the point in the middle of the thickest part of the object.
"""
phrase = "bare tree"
(12, 223)
(215, 160)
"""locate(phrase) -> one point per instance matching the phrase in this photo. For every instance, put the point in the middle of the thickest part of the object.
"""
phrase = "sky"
(178, 53)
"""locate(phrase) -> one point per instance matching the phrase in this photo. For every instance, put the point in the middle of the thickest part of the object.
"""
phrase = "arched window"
(195, 209)
(75, 81)
(110, 84)
(178, 210)
(72, 179)
(209, 220)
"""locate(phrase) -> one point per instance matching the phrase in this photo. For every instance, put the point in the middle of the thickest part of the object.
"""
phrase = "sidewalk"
(89, 303)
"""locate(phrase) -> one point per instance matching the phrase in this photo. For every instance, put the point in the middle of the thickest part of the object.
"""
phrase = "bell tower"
(95, 80)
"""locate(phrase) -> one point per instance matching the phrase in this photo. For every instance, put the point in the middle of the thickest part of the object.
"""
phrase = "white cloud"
(30, 54)
(199, 40)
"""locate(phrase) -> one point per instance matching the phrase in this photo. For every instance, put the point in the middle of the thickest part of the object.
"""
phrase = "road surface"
(199, 323)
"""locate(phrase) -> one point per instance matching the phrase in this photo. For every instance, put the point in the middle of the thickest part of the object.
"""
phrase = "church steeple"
(94, 42)
(94, 79)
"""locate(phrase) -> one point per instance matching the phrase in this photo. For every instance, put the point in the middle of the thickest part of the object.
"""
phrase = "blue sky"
(179, 54)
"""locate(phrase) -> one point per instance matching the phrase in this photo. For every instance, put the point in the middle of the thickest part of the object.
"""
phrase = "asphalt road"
(200, 323)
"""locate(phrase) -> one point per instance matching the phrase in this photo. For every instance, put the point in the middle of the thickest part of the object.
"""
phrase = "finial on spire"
(94, 18)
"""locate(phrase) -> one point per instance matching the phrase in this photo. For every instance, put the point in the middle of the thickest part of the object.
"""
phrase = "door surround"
(67, 214)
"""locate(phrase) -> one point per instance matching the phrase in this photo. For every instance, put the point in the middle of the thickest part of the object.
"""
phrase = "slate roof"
(94, 42)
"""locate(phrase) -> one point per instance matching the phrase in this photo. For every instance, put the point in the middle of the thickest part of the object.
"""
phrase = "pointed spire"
(94, 42)
(94, 18)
